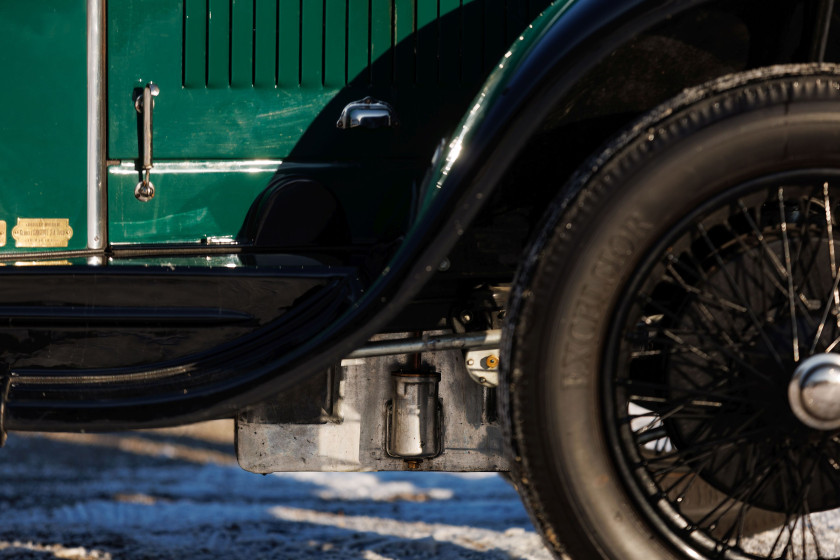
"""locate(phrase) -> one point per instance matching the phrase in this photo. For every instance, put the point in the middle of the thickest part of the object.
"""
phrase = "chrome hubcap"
(814, 391)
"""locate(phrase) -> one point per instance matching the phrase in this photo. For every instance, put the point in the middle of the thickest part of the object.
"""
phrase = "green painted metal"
(312, 45)
(222, 116)
(450, 30)
(198, 201)
(194, 201)
(232, 92)
(335, 46)
(43, 125)
(265, 43)
(427, 43)
(288, 55)
(242, 43)
(218, 42)
(247, 78)
(517, 19)
(494, 31)
(404, 48)
(358, 42)
(472, 44)
(238, 81)
(267, 79)
(195, 43)
(381, 40)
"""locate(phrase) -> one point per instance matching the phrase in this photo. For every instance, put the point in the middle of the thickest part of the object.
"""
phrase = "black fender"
(589, 69)
(557, 51)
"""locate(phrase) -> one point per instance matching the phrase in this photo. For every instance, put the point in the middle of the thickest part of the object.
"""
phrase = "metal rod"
(417, 358)
(148, 111)
(476, 340)
(97, 194)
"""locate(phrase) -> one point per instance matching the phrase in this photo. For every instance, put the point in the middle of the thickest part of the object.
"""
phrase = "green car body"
(207, 205)
(244, 86)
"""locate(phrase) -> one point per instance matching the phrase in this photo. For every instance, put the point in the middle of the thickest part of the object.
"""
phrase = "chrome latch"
(368, 113)
(145, 103)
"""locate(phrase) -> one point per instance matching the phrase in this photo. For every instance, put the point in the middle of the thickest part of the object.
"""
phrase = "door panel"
(245, 80)
(43, 126)
(194, 201)
(220, 96)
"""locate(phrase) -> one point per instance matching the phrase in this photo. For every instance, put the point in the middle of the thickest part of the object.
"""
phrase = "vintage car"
(588, 243)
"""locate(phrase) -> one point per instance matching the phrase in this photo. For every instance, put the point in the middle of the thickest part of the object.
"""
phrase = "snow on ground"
(155, 495)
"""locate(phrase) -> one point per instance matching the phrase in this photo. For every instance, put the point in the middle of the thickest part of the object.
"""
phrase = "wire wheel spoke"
(747, 289)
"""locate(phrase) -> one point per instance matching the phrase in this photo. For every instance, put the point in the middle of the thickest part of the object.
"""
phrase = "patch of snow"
(81, 500)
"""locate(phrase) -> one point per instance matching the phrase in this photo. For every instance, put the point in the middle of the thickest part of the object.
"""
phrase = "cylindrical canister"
(414, 423)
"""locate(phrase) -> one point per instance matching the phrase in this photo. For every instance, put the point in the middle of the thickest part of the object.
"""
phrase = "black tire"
(654, 296)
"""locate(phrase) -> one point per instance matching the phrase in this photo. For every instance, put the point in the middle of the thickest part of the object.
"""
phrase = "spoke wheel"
(673, 348)
(712, 329)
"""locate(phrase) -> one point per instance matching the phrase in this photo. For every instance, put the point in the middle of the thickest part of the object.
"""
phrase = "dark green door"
(245, 84)
(43, 131)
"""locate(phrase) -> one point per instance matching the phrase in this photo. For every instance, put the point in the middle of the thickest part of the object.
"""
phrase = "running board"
(123, 346)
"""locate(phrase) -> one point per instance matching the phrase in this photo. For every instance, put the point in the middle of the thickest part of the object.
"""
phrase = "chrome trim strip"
(97, 188)
(187, 167)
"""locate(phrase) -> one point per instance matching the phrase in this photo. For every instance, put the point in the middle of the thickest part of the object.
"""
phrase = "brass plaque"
(42, 263)
(2, 233)
(42, 232)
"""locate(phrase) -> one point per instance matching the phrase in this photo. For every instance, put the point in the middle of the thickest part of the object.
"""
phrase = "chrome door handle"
(145, 104)
(368, 113)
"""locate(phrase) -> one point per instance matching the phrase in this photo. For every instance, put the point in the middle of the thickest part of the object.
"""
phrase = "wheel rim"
(707, 339)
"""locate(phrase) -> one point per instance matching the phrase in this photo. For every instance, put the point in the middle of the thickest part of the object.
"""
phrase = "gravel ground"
(179, 494)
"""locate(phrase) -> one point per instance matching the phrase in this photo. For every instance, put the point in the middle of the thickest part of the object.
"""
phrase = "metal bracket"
(483, 366)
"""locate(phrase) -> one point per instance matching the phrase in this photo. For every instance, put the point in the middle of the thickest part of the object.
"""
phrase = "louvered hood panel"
(253, 78)
(330, 43)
